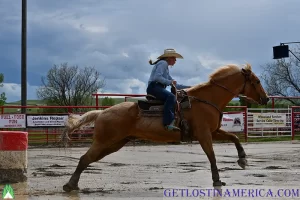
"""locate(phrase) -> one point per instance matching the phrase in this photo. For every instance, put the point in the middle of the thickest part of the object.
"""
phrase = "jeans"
(169, 98)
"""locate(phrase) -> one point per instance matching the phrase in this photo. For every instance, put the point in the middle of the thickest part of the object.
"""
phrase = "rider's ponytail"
(150, 62)
(153, 63)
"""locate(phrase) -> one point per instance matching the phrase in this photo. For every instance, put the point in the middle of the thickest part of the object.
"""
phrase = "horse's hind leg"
(96, 152)
(223, 135)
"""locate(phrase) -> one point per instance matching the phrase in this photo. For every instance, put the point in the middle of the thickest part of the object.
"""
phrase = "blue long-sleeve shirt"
(160, 73)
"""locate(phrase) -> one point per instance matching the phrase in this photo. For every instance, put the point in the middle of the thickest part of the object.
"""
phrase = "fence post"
(292, 122)
(47, 136)
(246, 124)
(97, 103)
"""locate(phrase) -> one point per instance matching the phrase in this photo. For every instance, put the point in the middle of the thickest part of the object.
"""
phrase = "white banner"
(12, 121)
(46, 120)
(269, 120)
(233, 122)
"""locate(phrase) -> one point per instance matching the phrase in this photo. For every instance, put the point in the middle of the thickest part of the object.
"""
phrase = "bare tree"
(70, 85)
(282, 77)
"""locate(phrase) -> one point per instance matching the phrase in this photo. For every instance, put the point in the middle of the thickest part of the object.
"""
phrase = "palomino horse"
(115, 126)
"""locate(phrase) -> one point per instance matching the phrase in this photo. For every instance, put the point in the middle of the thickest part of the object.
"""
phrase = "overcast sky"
(121, 35)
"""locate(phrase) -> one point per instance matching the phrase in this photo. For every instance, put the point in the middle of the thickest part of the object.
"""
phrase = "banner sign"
(12, 121)
(233, 122)
(49, 120)
(269, 120)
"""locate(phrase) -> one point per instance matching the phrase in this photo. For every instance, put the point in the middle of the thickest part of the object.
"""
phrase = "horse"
(118, 124)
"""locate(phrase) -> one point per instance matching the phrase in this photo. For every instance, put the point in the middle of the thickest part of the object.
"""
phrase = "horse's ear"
(246, 72)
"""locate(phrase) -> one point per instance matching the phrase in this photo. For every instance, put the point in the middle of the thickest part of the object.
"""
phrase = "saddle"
(152, 107)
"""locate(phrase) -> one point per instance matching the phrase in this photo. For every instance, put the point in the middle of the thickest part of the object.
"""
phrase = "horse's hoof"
(242, 162)
(219, 183)
(68, 187)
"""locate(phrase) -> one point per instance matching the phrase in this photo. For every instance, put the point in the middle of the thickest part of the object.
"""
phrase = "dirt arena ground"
(166, 172)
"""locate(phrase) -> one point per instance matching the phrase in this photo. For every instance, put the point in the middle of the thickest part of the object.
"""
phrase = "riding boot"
(172, 127)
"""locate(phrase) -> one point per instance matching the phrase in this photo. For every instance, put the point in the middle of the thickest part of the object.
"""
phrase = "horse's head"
(252, 87)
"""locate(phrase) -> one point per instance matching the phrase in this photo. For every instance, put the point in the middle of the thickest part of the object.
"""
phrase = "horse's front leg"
(223, 135)
(205, 140)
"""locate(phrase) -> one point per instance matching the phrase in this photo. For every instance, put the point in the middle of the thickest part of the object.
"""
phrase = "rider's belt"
(160, 84)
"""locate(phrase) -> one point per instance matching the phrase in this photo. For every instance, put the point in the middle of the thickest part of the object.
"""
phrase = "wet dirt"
(160, 172)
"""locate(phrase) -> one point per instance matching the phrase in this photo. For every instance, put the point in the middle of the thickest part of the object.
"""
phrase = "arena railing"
(51, 134)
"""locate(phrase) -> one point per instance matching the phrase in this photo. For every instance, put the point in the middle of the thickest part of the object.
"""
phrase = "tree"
(244, 102)
(70, 85)
(108, 101)
(282, 77)
(2, 95)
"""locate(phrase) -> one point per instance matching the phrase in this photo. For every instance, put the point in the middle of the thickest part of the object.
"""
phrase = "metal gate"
(269, 122)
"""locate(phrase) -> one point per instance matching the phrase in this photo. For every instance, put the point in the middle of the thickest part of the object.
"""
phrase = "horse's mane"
(228, 70)
(224, 71)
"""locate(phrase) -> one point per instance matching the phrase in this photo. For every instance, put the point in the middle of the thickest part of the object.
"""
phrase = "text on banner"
(269, 120)
(233, 122)
(12, 121)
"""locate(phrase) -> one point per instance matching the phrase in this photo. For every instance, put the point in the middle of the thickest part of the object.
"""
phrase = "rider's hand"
(174, 82)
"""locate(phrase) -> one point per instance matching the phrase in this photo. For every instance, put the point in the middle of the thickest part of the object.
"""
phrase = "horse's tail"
(75, 122)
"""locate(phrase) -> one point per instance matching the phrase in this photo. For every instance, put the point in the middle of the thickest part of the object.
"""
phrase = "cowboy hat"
(170, 53)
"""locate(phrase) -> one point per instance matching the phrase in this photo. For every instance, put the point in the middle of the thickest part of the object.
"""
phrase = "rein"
(202, 101)
(242, 91)
(207, 102)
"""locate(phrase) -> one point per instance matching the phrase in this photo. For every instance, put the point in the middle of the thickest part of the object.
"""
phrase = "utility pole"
(24, 57)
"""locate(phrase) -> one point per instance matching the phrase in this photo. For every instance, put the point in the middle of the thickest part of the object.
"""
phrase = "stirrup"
(172, 128)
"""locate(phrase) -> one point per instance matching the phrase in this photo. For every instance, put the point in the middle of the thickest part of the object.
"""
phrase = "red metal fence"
(45, 134)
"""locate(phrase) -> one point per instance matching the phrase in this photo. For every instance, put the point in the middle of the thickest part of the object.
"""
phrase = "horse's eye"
(258, 82)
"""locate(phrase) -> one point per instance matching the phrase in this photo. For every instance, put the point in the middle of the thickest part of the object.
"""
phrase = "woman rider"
(159, 80)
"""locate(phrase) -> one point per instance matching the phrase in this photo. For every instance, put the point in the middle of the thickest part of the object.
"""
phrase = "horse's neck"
(217, 94)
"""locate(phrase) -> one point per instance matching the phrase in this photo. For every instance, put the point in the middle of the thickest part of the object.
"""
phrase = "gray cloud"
(118, 37)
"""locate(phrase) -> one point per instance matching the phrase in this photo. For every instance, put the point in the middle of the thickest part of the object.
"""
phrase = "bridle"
(247, 78)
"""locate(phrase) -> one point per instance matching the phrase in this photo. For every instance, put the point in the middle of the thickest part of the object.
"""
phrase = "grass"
(117, 100)
(29, 102)
(42, 103)
(241, 136)
(273, 139)
(40, 137)
(28, 110)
